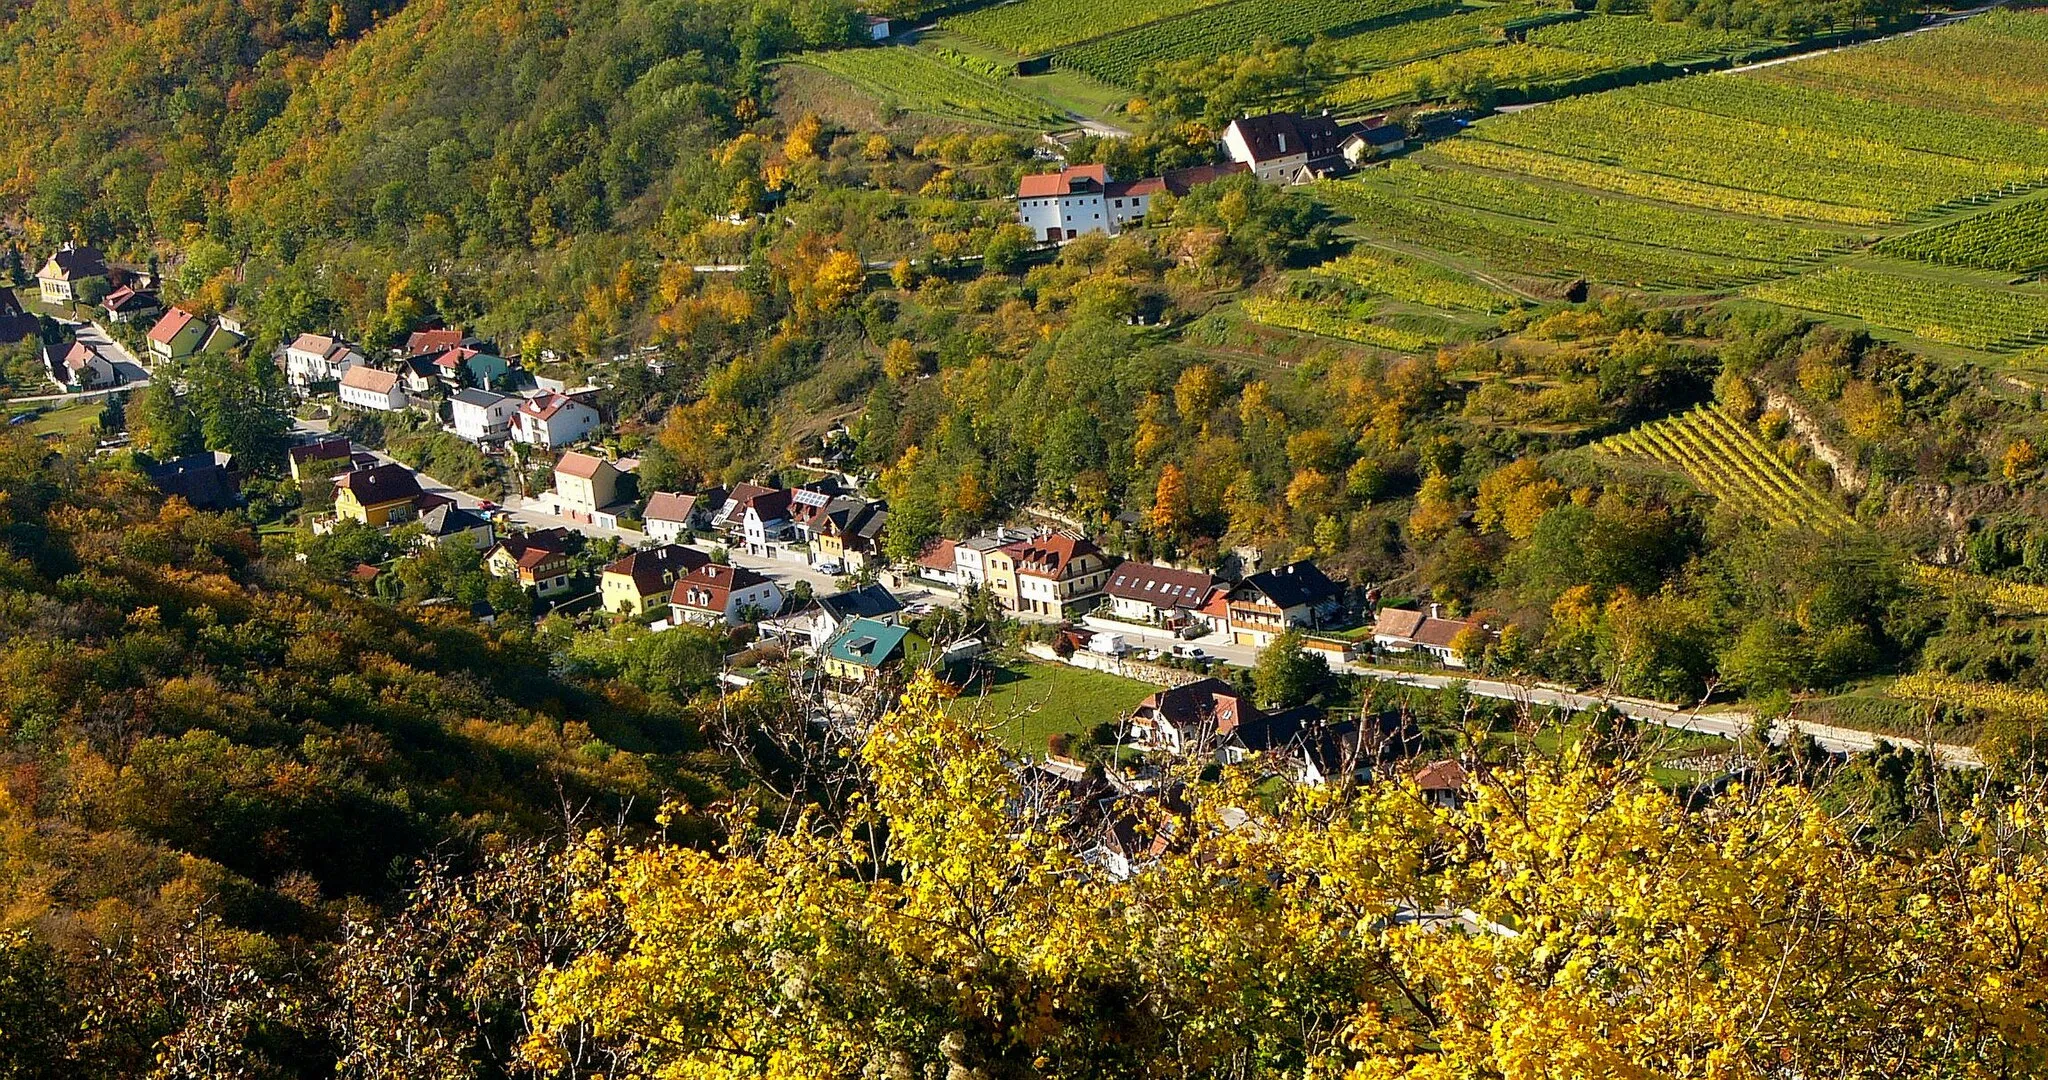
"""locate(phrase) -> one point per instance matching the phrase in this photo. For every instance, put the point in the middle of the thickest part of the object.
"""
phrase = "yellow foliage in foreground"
(1601, 930)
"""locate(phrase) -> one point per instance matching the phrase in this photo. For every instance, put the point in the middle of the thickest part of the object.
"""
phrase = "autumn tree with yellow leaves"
(1571, 919)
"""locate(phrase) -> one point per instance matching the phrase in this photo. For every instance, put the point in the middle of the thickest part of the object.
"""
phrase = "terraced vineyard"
(1422, 38)
(2013, 239)
(1978, 316)
(1726, 458)
(1349, 323)
(917, 82)
(1520, 67)
(1534, 247)
(1642, 40)
(1223, 30)
(1991, 68)
(1581, 211)
(1411, 279)
(1658, 132)
(1027, 27)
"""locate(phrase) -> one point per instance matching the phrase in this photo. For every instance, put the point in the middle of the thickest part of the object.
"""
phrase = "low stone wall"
(1156, 674)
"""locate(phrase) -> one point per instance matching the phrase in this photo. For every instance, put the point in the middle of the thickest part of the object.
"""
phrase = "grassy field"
(1028, 701)
(66, 419)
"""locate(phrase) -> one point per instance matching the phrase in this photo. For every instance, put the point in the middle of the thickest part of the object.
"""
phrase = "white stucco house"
(1082, 199)
(364, 387)
(481, 416)
(553, 420)
(317, 358)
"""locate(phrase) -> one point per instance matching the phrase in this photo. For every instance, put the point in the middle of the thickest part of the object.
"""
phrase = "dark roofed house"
(1406, 630)
(1182, 181)
(1443, 783)
(69, 268)
(1192, 717)
(208, 481)
(308, 459)
(640, 581)
(127, 304)
(1285, 148)
(377, 496)
(447, 521)
(1167, 595)
(1271, 602)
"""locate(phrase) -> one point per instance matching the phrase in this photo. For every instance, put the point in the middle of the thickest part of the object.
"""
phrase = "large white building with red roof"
(553, 420)
(1082, 199)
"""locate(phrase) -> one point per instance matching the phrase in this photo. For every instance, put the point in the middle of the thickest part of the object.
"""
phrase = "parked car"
(831, 566)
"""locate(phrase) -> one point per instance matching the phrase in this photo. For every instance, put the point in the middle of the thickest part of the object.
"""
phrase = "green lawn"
(1028, 701)
(66, 419)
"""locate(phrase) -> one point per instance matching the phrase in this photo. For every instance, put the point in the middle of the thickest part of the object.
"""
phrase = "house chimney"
(1436, 611)
(1283, 141)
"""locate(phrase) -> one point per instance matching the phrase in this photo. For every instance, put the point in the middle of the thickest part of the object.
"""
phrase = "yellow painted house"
(376, 497)
(642, 580)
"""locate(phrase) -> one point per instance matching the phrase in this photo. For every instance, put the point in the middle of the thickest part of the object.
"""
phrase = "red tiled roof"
(170, 326)
(714, 584)
(938, 557)
(1151, 185)
(1062, 182)
(428, 341)
(652, 569)
(669, 506)
(1445, 775)
(365, 377)
(580, 465)
(1048, 556)
(545, 407)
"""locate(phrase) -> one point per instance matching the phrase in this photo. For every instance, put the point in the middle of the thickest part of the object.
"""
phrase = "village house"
(845, 531)
(539, 561)
(584, 485)
(640, 581)
(64, 276)
(1405, 630)
(1158, 595)
(319, 460)
(434, 340)
(715, 595)
(1286, 148)
(466, 365)
(208, 481)
(1082, 199)
(378, 496)
(481, 416)
(764, 521)
(821, 620)
(1192, 718)
(1372, 140)
(731, 517)
(318, 358)
(671, 517)
(1056, 574)
(127, 304)
(1443, 783)
(551, 421)
(940, 564)
(177, 335)
(365, 387)
(448, 522)
(1271, 602)
(1133, 832)
(79, 367)
(865, 648)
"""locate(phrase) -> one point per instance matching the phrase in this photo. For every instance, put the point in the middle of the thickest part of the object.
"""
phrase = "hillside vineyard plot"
(1415, 281)
(1977, 316)
(1532, 245)
(1034, 26)
(1724, 457)
(1224, 29)
(2013, 239)
(1351, 322)
(914, 81)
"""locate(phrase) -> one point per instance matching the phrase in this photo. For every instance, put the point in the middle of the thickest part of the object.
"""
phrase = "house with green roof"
(862, 651)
